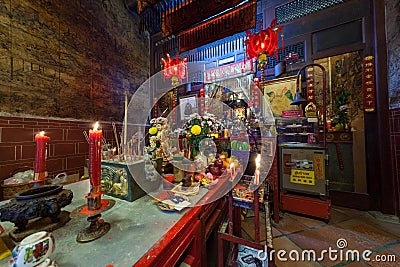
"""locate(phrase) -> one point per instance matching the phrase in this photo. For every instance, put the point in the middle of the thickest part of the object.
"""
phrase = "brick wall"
(67, 149)
(69, 59)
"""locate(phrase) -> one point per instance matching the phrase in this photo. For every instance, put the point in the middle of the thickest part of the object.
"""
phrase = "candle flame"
(231, 165)
(41, 133)
(258, 160)
(96, 126)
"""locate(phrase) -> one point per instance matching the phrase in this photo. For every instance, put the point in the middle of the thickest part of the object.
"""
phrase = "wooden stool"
(233, 234)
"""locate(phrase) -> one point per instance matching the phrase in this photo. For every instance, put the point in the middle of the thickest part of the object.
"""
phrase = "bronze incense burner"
(36, 204)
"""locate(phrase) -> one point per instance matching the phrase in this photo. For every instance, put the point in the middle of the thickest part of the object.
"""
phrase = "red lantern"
(174, 68)
(262, 44)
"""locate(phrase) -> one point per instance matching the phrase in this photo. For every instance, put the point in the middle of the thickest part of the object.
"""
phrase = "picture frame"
(187, 106)
(267, 146)
(279, 93)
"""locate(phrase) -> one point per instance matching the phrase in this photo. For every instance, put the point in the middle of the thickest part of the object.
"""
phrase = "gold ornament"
(311, 110)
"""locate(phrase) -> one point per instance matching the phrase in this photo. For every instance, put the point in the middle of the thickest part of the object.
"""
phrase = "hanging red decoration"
(262, 44)
(175, 69)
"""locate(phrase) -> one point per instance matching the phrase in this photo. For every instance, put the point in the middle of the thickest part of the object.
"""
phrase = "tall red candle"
(95, 137)
(202, 95)
(40, 157)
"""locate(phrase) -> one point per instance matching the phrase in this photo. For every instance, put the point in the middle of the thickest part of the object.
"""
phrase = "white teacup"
(33, 250)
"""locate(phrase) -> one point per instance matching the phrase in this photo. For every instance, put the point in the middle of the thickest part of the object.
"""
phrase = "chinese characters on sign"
(369, 84)
(302, 177)
(310, 85)
(227, 71)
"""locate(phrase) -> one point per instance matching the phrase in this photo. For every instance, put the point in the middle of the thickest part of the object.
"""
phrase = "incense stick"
(116, 136)
(86, 136)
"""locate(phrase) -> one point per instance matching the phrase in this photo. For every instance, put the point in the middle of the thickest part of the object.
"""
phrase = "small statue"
(122, 187)
(311, 110)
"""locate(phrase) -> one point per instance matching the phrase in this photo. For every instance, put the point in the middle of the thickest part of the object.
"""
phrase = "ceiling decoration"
(191, 12)
(229, 23)
(171, 17)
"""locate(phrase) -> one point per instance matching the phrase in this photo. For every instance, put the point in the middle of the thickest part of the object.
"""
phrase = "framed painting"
(279, 94)
(187, 106)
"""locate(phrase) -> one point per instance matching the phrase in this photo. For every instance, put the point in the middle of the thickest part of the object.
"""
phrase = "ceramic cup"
(33, 250)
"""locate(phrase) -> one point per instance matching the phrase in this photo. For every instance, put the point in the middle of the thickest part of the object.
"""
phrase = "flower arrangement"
(199, 127)
(341, 108)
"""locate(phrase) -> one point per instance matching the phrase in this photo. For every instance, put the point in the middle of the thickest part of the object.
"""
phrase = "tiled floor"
(350, 232)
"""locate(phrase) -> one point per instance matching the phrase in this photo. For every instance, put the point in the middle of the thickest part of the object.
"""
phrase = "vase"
(33, 250)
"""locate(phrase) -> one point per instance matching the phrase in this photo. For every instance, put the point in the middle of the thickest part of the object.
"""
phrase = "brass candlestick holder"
(97, 228)
(92, 210)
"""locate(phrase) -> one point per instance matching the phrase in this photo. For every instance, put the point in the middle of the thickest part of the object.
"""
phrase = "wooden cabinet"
(191, 238)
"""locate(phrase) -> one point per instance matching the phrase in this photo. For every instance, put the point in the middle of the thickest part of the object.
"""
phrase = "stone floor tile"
(338, 215)
(368, 231)
(248, 226)
(311, 240)
(357, 264)
(384, 259)
(359, 229)
(353, 241)
(391, 227)
(289, 225)
(245, 235)
(309, 222)
(276, 232)
(349, 212)
(395, 248)
(286, 245)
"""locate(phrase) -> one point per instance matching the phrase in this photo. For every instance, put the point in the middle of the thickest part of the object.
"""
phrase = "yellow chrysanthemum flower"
(195, 130)
(153, 130)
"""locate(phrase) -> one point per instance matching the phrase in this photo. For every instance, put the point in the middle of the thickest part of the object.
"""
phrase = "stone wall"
(393, 47)
(69, 59)
(395, 142)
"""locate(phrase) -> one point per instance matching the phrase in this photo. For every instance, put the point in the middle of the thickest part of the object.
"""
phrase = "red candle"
(95, 137)
(202, 95)
(257, 172)
(40, 158)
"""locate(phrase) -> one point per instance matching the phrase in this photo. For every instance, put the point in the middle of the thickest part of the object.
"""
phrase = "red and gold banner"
(310, 85)
(192, 12)
(369, 84)
(237, 20)
(202, 101)
(227, 71)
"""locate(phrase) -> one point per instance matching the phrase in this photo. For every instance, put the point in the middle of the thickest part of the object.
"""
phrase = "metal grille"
(300, 8)
(230, 45)
(294, 48)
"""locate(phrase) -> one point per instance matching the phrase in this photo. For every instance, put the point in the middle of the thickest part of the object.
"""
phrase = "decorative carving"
(30, 204)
